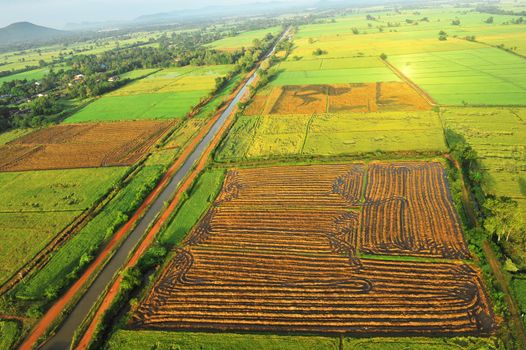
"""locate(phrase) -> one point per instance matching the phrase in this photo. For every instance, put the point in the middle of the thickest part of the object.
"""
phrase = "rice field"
(285, 136)
(482, 76)
(36, 206)
(498, 135)
(170, 93)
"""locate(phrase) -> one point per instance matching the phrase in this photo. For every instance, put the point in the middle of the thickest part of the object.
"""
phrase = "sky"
(57, 13)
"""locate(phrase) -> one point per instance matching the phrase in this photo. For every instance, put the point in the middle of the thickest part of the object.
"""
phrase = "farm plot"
(82, 145)
(170, 93)
(482, 76)
(279, 251)
(36, 206)
(333, 71)
(336, 98)
(273, 136)
(498, 135)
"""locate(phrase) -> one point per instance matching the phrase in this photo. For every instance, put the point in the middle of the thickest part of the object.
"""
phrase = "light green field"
(56, 273)
(36, 205)
(498, 135)
(142, 340)
(244, 39)
(169, 93)
(274, 136)
(138, 73)
(201, 196)
(34, 74)
(333, 71)
(138, 107)
(485, 76)
(8, 334)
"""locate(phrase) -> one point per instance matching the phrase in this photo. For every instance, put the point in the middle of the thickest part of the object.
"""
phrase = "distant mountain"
(25, 32)
(254, 9)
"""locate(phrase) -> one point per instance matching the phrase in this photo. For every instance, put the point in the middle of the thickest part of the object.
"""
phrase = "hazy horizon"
(58, 13)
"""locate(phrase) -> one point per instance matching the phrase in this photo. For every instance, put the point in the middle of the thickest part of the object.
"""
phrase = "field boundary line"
(307, 131)
(417, 88)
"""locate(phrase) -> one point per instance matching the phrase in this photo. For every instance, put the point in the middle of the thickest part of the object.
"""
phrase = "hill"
(25, 32)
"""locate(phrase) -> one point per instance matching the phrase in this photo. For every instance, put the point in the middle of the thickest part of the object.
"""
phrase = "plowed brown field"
(82, 145)
(279, 252)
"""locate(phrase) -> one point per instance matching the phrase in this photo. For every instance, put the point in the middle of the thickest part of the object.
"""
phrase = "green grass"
(80, 248)
(139, 340)
(483, 76)
(11, 135)
(8, 334)
(274, 136)
(202, 194)
(34, 74)
(36, 205)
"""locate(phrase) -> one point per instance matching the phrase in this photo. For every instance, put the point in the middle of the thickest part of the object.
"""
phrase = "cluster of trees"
(494, 10)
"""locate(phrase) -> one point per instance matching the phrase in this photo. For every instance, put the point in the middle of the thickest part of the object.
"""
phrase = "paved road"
(62, 339)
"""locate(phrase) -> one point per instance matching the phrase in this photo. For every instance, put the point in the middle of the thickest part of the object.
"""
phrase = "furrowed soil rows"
(279, 251)
(409, 211)
(82, 145)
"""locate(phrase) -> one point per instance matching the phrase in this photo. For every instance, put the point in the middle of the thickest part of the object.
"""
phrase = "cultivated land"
(291, 136)
(300, 268)
(481, 76)
(328, 254)
(82, 145)
(498, 135)
(36, 206)
(167, 94)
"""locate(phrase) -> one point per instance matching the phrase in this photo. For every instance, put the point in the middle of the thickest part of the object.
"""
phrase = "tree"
(442, 36)
(383, 56)
(505, 220)
(489, 20)
(455, 22)
(319, 52)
